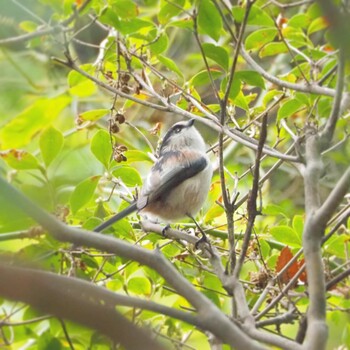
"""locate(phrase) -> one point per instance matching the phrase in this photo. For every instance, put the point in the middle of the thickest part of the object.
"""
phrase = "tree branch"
(324, 213)
(327, 134)
(61, 27)
(251, 205)
(212, 318)
(59, 296)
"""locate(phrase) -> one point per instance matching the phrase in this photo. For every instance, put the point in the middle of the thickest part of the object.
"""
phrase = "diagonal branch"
(61, 297)
(328, 207)
(327, 134)
(212, 318)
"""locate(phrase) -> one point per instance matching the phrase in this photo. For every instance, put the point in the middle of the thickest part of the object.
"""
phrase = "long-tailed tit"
(179, 181)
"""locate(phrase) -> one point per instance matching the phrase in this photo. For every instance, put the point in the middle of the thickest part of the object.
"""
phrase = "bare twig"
(251, 205)
(327, 133)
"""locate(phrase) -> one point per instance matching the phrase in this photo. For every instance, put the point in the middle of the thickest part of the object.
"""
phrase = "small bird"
(178, 182)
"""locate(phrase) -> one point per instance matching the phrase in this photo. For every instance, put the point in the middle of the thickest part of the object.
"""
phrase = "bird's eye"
(177, 130)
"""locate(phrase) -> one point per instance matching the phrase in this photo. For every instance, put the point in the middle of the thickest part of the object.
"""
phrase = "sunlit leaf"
(130, 176)
(101, 147)
(170, 64)
(235, 87)
(83, 193)
(217, 54)
(272, 49)
(125, 8)
(259, 38)
(286, 235)
(257, 16)
(203, 78)
(250, 77)
(159, 43)
(169, 10)
(51, 142)
(94, 114)
(137, 156)
(209, 19)
(300, 20)
(316, 25)
(289, 108)
(19, 159)
(20, 130)
(28, 26)
(139, 285)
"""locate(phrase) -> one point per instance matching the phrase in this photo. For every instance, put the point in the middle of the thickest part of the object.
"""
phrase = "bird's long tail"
(115, 218)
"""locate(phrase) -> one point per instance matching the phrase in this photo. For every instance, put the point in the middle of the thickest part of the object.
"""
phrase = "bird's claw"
(166, 228)
(203, 239)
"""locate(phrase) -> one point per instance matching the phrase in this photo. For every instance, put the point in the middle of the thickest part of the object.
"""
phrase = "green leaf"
(289, 108)
(160, 44)
(286, 235)
(123, 228)
(257, 16)
(125, 26)
(51, 143)
(272, 49)
(83, 193)
(139, 285)
(94, 114)
(130, 176)
(20, 160)
(101, 147)
(125, 8)
(20, 130)
(136, 156)
(209, 19)
(298, 224)
(28, 26)
(203, 78)
(217, 54)
(186, 23)
(259, 38)
(316, 25)
(235, 88)
(241, 101)
(250, 77)
(301, 20)
(170, 64)
(270, 95)
(79, 85)
(169, 10)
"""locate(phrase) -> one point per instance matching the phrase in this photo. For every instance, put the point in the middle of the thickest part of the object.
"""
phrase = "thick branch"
(316, 334)
(53, 294)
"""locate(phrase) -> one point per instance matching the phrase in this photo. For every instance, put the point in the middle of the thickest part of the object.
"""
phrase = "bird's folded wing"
(170, 180)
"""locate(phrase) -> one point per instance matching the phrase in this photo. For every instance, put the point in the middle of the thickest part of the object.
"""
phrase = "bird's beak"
(190, 122)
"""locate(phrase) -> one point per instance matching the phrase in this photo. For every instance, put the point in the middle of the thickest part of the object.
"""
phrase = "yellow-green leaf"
(20, 160)
(209, 19)
(94, 114)
(83, 193)
(51, 143)
(101, 147)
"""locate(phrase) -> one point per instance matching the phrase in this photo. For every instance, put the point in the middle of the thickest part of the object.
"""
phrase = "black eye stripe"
(175, 129)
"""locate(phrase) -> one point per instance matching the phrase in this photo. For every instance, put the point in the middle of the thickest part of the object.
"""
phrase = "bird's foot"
(203, 239)
(166, 228)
